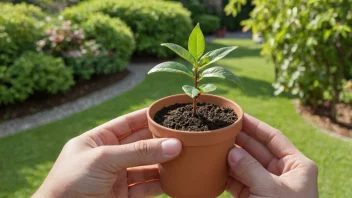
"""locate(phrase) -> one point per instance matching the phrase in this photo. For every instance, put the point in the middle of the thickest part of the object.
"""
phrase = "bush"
(48, 5)
(310, 44)
(33, 72)
(85, 50)
(209, 23)
(68, 41)
(196, 7)
(152, 21)
(233, 22)
(23, 8)
(19, 30)
(115, 37)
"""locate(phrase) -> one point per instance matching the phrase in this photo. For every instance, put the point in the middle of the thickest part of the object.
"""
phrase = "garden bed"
(320, 116)
(42, 101)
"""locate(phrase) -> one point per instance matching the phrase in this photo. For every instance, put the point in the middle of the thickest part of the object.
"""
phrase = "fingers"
(142, 174)
(234, 187)
(142, 134)
(111, 132)
(144, 152)
(273, 139)
(247, 170)
(148, 189)
(255, 148)
(127, 124)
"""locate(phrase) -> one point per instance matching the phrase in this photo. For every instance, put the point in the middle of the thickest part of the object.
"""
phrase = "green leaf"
(172, 67)
(220, 72)
(196, 43)
(182, 52)
(215, 55)
(191, 91)
(203, 61)
(205, 88)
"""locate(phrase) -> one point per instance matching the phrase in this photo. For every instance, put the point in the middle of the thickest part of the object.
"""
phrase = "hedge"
(153, 22)
(208, 23)
(115, 37)
(19, 30)
(22, 8)
(33, 72)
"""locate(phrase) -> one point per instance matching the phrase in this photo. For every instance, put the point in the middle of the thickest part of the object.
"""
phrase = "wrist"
(44, 192)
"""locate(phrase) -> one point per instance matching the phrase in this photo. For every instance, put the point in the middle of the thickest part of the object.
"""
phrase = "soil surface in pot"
(209, 117)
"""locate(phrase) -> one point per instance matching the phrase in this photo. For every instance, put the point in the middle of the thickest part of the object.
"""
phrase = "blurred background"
(67, 66)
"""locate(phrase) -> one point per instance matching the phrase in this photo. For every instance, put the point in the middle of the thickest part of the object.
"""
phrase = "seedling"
(199, 62)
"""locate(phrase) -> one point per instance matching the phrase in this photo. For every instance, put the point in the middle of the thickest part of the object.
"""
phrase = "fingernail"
(236, 154)
(171, 147)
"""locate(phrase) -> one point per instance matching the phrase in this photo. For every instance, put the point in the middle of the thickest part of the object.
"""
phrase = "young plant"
(194, 55)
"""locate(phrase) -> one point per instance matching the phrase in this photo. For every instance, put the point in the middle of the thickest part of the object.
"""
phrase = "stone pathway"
(137, 74)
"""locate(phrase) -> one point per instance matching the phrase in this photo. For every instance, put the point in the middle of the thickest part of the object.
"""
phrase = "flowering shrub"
(67, 40)
(81, 51)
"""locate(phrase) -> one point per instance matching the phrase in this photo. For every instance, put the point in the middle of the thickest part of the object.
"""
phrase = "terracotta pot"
(201, 169)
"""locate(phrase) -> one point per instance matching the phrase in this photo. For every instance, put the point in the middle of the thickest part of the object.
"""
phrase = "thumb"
(247, 170)
(144, 152)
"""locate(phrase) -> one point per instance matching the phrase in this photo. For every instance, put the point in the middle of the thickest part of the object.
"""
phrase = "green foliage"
(33, 72)
(48, 5)
(232, 21)
(196, 7)
(220, 72)
(115, 37)
(68, 41)
(182, 52)
(22, 8)
(191, 91)
(196, 47)
(206, 88)
(20, 28)
(234, 7)
(310, 44)
(172, 67)
(215, 55)
(85, 50)
(210, 23)
(152, 21)
(196, 43)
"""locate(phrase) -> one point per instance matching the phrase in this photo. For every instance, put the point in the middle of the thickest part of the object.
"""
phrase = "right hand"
(268, 165)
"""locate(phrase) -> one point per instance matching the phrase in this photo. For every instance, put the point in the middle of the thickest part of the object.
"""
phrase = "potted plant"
(205, 124)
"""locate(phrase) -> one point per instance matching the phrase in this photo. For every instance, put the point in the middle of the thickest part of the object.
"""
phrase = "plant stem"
(195, 98)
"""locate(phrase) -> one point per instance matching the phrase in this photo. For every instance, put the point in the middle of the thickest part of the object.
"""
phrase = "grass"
(27, 157)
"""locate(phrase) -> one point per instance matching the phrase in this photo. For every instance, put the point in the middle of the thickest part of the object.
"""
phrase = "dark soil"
(41, 101)
(321, 116)
(209, 117)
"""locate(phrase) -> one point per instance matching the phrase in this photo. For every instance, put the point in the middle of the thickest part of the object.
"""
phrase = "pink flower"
(41, 43)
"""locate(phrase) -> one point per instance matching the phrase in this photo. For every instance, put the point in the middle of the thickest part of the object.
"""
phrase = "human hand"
(269, 165)
(102, 162)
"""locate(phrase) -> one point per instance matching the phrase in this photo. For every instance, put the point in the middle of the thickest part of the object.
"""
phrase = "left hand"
(103, 161)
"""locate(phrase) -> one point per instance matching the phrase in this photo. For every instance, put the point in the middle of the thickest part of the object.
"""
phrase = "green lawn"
(27, 157)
